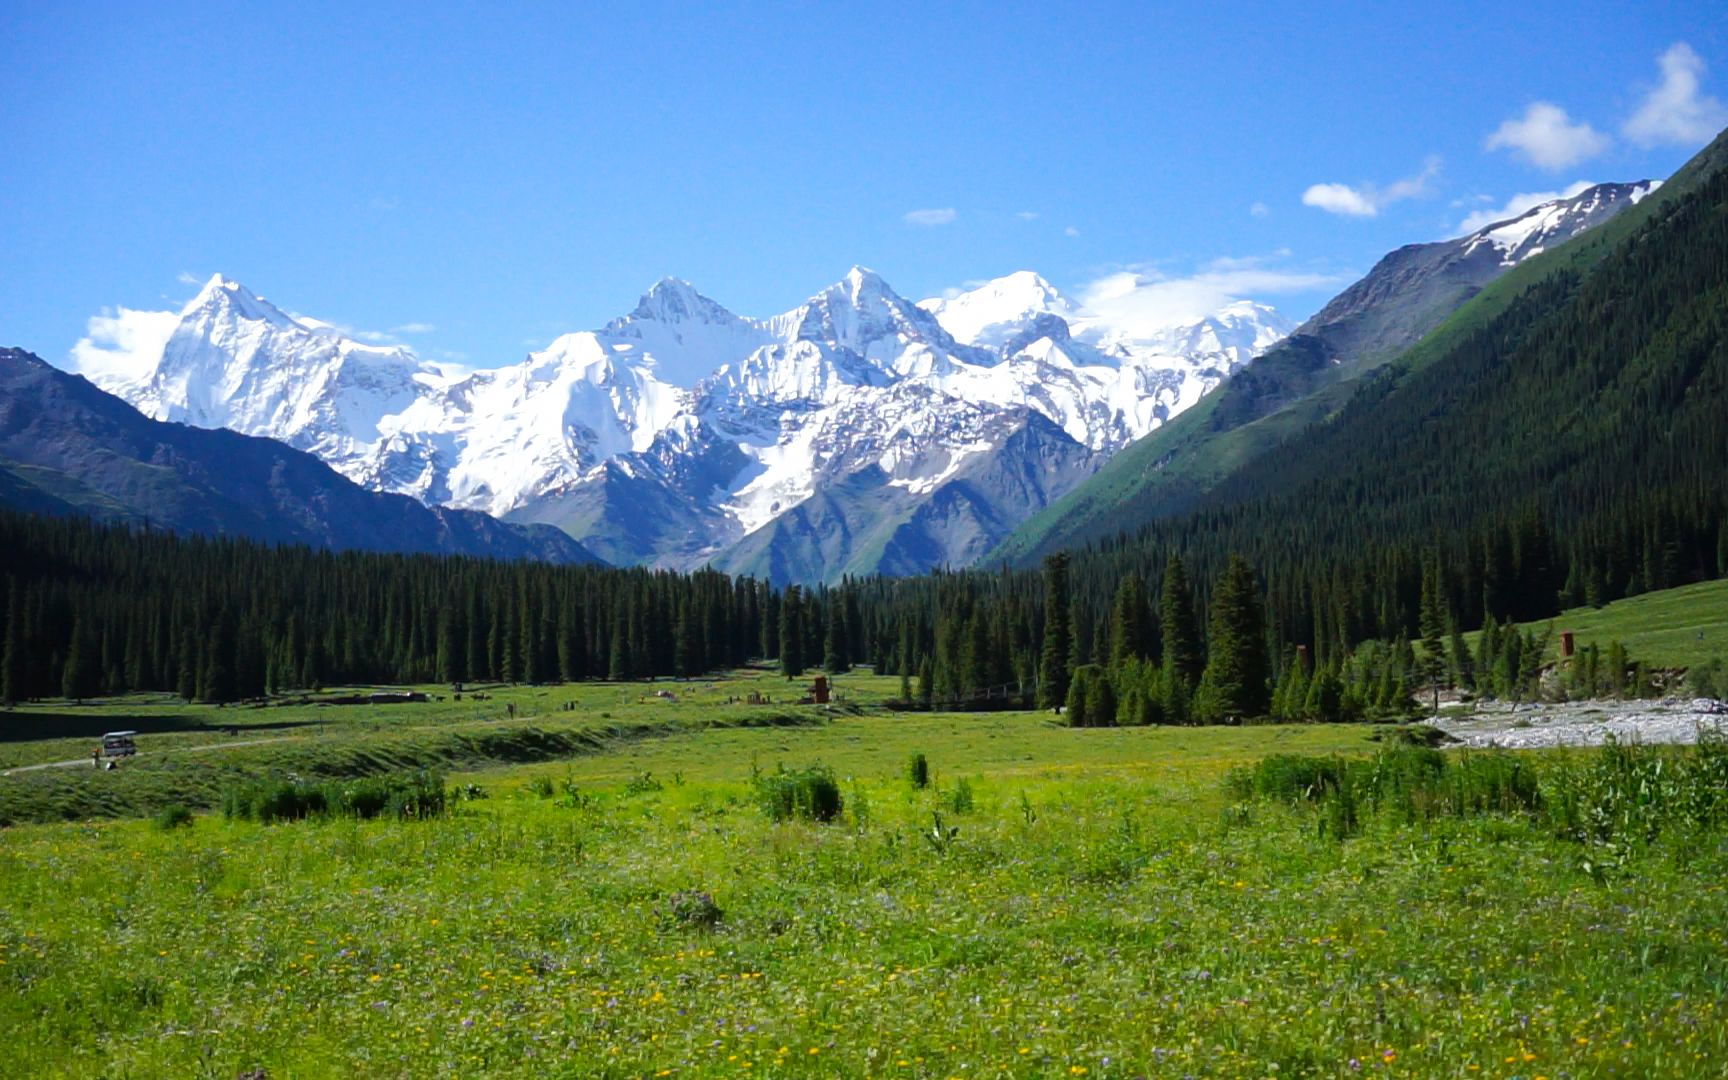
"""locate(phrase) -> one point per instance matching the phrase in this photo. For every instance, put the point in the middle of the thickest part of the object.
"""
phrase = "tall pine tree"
(1235, 683)
(1053, 665)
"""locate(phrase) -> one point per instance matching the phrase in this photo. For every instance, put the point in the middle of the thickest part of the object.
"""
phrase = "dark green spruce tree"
(1058, 642)
(792, 632)
(1235, 685)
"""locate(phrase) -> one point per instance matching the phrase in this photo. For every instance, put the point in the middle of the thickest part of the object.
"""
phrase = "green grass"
(1673, 628)
(1104, 909)
(186, 755)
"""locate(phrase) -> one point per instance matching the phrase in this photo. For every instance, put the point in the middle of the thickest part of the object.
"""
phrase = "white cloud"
(1070, 231)
(1027, 215)
(1675, 111)
(413, 328)
(1259, 209)
(1369, 199)
(1547, 138)
(1339, 199)
(186, 278)
(941, 216)
(1142, 299)
(1516, 205)
(122, 343)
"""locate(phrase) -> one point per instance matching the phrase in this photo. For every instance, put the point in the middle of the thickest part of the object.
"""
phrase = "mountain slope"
(865, 523)
(855, 388)
(1410, 293)
(68, 447)
(1558, 441)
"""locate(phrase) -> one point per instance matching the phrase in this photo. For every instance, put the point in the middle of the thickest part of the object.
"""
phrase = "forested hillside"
(1309, 376)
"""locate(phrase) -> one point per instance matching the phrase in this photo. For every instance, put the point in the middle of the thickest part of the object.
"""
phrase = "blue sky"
(470, 185)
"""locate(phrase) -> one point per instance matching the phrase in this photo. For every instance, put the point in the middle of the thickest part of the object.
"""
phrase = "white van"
(119, 744)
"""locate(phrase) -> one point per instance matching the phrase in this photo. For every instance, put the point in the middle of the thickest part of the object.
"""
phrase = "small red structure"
(819, 691)
(1566, 645)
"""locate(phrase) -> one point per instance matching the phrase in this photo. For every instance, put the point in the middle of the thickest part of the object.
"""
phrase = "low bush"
(960, 800)
(176, 816)
(1287, 778)
(807, 794)
(1618, 795)
(694, 909)
(402, 796)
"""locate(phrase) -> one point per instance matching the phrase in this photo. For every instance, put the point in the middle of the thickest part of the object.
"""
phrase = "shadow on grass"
(31, 726)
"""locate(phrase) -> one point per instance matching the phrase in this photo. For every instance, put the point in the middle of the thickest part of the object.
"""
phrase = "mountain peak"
(673, 300)
(1547, 224)
(223, 294)
(1001, 309)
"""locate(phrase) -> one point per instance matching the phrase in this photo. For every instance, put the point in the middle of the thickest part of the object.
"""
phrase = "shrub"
(541, 786)
(642, 784)
(175, 816)
(693, 908)
(403, 795)
(1619, 796)
(1708, 680)
(1287, 778)
(960, 800)
(918, 771)
(809, 794)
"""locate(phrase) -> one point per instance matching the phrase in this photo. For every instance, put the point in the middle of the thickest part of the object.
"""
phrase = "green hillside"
(1681, 627)
(1290, 389)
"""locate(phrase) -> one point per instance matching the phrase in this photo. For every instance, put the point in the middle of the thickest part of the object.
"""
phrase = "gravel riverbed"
(1587, 723)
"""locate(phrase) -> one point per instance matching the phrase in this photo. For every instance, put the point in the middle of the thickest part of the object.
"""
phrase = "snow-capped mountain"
(856, 391)
(1411, 289)
(1541, 227)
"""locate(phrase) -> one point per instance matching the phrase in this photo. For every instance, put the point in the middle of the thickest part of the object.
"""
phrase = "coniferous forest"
(1569, 450)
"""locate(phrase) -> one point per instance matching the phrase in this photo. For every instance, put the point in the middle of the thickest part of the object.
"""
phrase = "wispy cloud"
(122, 343)
(1070, 231)
(186, 277)
(1517, 204)
(1143, 299)
(1367, 200)
(1027, 215)
(413, 328)
(1548, 138)
(1676, 110)
(942, 216)
(1259, 209)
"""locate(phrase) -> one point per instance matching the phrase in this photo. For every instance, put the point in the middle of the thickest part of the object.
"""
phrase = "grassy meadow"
(1672, 628)
(1054, 903)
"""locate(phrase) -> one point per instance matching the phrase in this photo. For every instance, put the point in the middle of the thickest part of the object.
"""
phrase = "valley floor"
(1055, 903)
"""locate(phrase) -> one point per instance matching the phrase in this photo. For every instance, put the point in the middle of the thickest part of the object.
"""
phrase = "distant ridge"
(67, 447)
(1298, 381)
